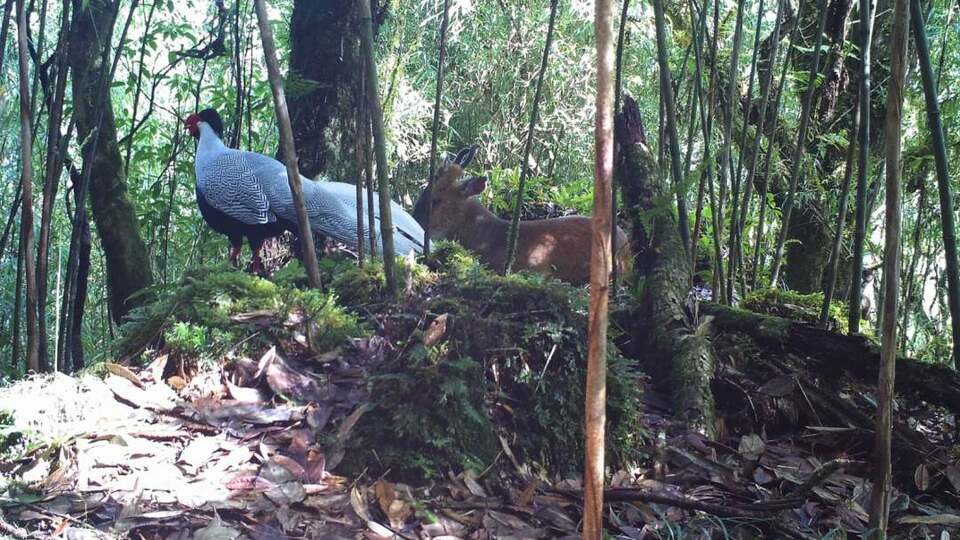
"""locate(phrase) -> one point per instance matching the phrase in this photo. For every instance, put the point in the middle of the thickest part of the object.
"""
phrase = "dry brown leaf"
(123, 371)
(921, 477)
(215, 530)
(347, 425)
(781, 386)
(385, 493)
(248, 482)
(128, 392)
(436, 330)
(379, 531)
(527, 495)
(289, 464)
(470, 480)
(936, 519)
(952, 473)
(286, 381)
(158, 366)
(751, 447)
(244, 394)
(260, 316)
(199, 451)
(359, 504)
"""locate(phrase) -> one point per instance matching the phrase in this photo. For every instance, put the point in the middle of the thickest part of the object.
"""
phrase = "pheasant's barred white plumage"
(253, 188)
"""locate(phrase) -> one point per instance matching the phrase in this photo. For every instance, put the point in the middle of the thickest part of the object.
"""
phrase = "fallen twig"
(749, 510)
(818, 477)
(12, 530)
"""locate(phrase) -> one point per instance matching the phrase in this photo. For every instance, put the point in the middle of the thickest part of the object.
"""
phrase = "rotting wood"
(664, 326)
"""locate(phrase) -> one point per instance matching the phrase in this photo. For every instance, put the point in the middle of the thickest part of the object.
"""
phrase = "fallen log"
(664, 328)
(832, 353)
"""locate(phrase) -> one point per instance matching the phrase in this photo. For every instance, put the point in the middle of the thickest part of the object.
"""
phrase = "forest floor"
(241, 446)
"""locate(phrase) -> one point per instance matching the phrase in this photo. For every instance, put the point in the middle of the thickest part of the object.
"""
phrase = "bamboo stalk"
(531, 128)
(379, 146)
(882, 477)
(287, 146)
(434, 132)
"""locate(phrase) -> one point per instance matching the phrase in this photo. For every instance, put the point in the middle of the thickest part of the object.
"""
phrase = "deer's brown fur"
(558, 247)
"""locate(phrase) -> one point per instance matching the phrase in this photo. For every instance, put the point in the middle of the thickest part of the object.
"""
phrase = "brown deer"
(558, 247)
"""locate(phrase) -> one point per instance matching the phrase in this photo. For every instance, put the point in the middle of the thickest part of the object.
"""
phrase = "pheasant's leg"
(256, 263)
(235, 245)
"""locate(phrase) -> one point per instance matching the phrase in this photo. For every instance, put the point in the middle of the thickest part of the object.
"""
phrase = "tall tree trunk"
(136, 92)
(666, 90)
(54, 166)
(726, 161)
(325, 68)
(830, 279)
(5, 30)
(863, 169)
(287, 145)
(528, 145)
(379, 146)
(237, 64)
(735, 219)
(127, 262)
(368, 159)
(662, 326)
(71, 333)
(766, 87)
(17, 303)
(717, 283)
(435, 131)
(771, 151)
(11, 221)
(935, 125)
(618, 92)
(26, 187)
(880, 501)
(697, 105)
(796, 165)
(600, 264)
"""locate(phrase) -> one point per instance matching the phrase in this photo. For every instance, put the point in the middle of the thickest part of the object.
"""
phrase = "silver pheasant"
(246, 195)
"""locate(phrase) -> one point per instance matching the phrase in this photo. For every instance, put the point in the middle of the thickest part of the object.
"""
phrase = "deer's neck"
(486, 234)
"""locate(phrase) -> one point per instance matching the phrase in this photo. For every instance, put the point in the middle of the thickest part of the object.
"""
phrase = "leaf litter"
(249, 448)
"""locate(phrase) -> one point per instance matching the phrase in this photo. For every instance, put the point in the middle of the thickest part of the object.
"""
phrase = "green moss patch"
(799, 307)
(214, 309)
(483, 357)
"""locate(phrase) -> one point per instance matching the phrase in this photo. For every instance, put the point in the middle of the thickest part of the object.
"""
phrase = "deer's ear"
(474, 186)
(465, 156)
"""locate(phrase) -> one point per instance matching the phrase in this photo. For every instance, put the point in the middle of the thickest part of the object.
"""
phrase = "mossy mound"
(213, 309)
(483, 357)
(797, 306)
(472, 363)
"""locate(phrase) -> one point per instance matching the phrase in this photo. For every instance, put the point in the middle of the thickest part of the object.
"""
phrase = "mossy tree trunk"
(323, 85)
(664, 328)
(128, 266)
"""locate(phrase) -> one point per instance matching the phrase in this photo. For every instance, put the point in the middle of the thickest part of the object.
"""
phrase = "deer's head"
(445, 205)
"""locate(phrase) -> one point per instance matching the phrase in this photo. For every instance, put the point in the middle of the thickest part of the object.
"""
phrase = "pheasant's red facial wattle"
(192, 127)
